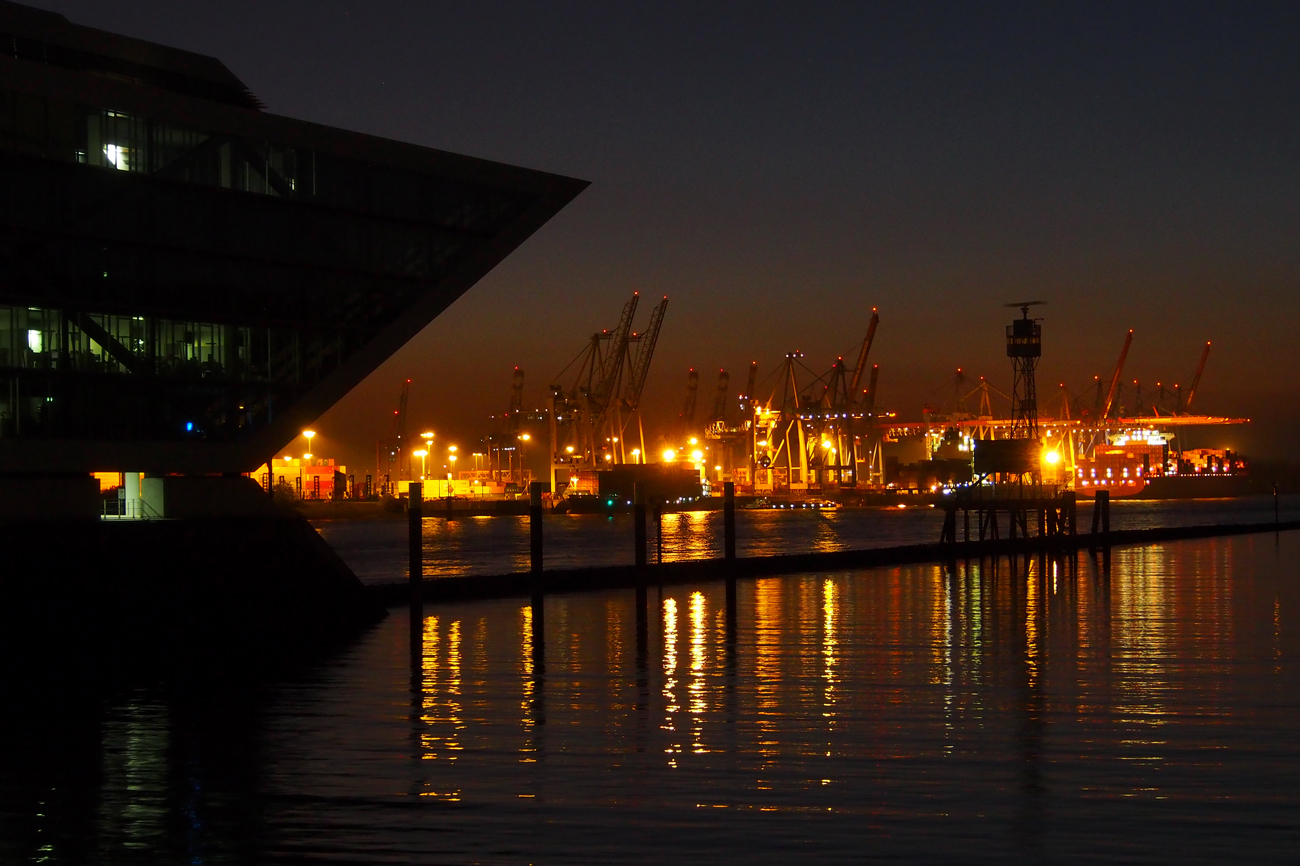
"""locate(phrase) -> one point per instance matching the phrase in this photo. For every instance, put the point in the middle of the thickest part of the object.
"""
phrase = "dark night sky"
(778, 169)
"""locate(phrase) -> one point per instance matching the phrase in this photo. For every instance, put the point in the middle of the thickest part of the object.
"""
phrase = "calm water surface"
(377, 549)
(1141, 710)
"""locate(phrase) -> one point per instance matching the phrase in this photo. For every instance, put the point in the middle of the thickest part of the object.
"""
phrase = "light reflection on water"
(377, 549)
(1068, 710)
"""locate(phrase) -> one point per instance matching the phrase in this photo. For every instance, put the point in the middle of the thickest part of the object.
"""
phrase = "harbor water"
(1137, 707)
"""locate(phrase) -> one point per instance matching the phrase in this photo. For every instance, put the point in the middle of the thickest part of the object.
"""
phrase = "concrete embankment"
(670, 573)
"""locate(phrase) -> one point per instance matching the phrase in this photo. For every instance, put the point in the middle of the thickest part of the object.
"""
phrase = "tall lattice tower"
(1024, 348)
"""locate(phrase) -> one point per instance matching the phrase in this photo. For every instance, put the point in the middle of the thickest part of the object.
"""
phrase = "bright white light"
(116, 155)
(669, 455)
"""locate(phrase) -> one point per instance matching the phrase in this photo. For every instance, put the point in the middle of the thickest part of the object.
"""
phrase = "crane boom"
(862, 357)
(688, 410)
(612, 368)
(1196, 380)
(645, 351)
(720, 400)
(1114, 382)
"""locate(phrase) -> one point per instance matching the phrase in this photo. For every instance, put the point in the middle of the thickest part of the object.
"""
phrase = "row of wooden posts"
(416, 531)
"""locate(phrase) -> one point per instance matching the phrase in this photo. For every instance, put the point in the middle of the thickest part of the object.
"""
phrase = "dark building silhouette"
(186, 279)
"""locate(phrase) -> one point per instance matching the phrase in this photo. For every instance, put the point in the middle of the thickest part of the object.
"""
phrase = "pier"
(538, 582)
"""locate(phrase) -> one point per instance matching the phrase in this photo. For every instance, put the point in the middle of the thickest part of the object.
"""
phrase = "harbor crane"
(809, 439)
(588, 418)
(628, 404)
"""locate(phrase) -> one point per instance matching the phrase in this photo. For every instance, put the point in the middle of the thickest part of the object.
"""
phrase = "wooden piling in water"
(729, 521)
(535, 536)
(659, 531)
(415, 540)
(639, 531)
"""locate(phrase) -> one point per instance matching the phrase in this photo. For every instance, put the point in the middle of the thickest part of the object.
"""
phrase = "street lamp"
(421, 454)
(636, 455)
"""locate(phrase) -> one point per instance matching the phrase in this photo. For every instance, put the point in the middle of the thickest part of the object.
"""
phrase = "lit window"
(35, 341)
(118, 156)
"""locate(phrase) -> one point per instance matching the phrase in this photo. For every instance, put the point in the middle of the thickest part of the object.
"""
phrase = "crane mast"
(631, 399)
(1114, 382)
(612, 363)
(720, 398)
(869, 396)
(644, 353)
(854, 395)
(1196, 380)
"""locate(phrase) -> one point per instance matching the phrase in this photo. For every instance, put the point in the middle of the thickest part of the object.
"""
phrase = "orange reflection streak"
(529, 748)
(830, 645)
(767, 670)
(946, 674)
(479, 666)
(613, 640)
(1031, 626)
(1143, 640)
(430, 665)
(826, 539)
(433, 744)
(936, 591)
(699, 705)
(670, 679)
(454, 690)
(972, 606)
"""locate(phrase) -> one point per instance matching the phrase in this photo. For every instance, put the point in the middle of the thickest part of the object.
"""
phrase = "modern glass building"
(186, 279)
